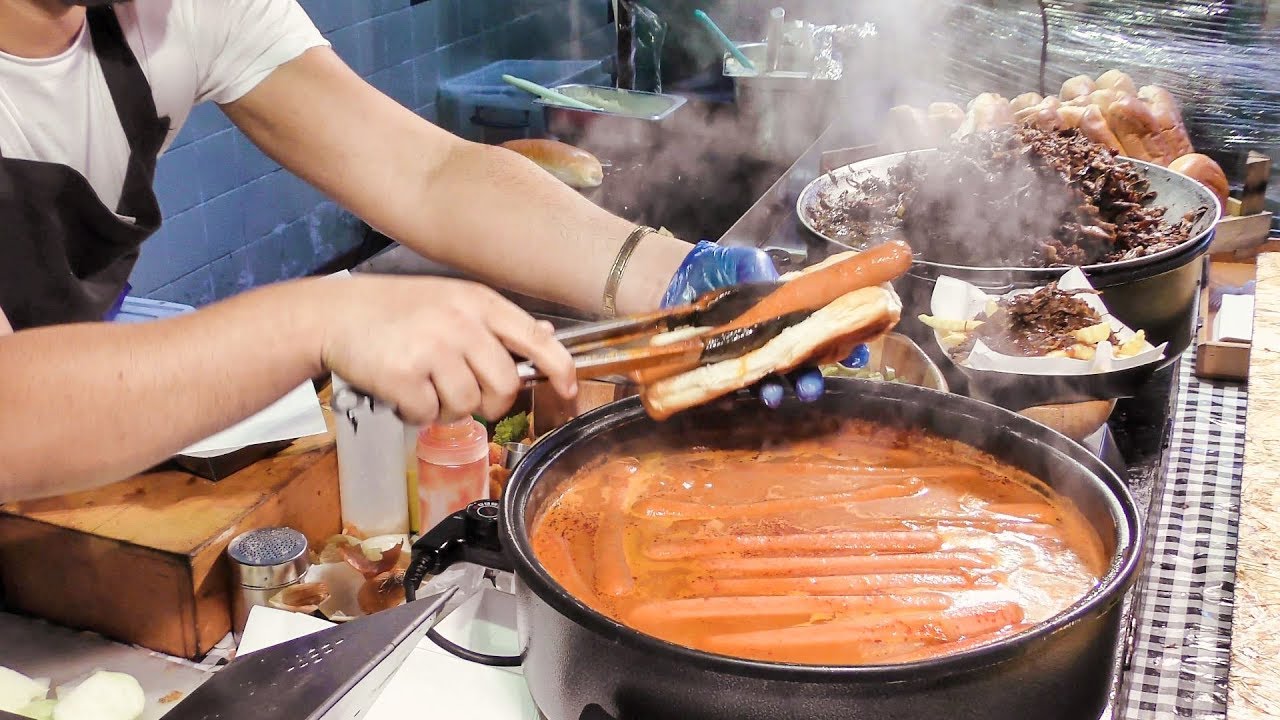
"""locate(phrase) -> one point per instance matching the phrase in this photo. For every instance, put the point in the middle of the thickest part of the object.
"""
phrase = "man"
(89, 96)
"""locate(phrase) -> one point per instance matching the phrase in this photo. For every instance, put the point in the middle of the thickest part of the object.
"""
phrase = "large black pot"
(581, 664)
(1158, 293)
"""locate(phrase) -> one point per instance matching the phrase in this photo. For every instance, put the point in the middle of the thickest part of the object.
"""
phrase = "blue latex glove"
(708, 267)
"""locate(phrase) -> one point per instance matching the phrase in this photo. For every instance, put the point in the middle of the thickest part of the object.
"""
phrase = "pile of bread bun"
(1142, 123)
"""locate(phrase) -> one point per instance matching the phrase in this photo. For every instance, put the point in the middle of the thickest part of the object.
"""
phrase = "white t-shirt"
(59, 109)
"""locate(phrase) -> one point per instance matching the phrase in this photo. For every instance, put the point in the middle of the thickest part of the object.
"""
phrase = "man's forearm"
(483, 210)
(146, 390)
(495, 214)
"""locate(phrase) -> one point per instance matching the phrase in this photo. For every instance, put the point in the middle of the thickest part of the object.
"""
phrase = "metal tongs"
(669, 341)
(633, 345)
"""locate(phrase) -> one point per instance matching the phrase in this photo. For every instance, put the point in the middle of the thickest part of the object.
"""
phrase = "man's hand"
(708, 267)
(433, 348)
(439, 348)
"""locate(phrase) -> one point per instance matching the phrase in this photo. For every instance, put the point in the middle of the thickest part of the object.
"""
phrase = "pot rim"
(1191, 245)
(1119, 577)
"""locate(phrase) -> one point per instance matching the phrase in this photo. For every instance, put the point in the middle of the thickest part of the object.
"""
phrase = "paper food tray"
(954, 299)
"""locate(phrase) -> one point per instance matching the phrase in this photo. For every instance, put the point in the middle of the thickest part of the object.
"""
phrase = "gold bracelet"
(620, 264)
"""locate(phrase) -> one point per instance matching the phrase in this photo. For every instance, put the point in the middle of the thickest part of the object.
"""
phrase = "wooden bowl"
(1075, 420)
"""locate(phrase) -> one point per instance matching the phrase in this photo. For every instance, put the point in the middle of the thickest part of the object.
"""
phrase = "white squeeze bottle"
(371, 459)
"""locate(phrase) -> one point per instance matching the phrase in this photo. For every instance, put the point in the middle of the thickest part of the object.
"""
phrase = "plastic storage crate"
(479, 106)
(137, 309)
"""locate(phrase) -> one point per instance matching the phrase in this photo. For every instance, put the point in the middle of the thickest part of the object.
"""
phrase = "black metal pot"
(1158, 293)
(580, 664)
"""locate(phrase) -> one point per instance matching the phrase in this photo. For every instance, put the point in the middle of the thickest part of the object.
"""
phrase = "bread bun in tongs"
(851, 300)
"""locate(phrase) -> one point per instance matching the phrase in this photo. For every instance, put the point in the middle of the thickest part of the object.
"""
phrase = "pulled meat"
(1033, 324)
(1013, 197)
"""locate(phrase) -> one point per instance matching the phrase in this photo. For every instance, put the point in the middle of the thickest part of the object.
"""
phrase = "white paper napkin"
(956, 299)
(293, 416)
(431, 680)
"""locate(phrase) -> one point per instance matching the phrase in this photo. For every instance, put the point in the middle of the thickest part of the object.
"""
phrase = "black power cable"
(475, 657)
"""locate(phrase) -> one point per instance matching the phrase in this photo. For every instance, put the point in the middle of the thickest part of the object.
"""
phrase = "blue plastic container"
(479, 106)
(137, 309)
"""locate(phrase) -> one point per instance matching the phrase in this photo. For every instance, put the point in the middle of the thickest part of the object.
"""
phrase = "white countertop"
(429, 677)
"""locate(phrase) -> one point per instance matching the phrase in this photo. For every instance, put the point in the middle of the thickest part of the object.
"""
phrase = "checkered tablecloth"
(1181, 647)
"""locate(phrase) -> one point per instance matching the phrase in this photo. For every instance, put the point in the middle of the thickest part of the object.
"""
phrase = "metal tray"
(659, 105)
(910, 364)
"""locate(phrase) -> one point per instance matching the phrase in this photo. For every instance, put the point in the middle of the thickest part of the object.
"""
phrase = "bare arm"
(478, 208)
(92, 403)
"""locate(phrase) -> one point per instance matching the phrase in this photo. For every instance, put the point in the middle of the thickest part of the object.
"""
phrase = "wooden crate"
(142, 561)
(1245, 222)
(1216, 359)
(1241, 235)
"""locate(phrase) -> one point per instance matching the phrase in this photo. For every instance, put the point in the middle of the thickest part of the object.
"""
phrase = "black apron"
(64, 255)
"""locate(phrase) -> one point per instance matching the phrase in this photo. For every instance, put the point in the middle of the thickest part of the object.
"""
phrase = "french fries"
(950, 325)
(1088, 340)
(1080, 351)
(1048, 322)
(1094, 334)
(1133, 345)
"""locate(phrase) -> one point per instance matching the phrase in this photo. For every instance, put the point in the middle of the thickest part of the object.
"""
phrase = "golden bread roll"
(907, 128)
(1138, 130)
(1204, 170)
(1101, 98)
(1116, 80)
(1092, 124)
(986, 112)
(944, 119)
(860, 316)
(573, 166)
(1077, 86)
(1047, 119)
(1043, 115)
(1169, 116)
(1024, 101)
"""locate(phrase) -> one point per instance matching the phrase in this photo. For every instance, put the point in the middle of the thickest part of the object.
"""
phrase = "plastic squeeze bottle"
(453, 469)
(370, 464)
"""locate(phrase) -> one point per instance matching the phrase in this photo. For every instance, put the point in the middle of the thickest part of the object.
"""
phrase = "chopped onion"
(102, 696)
(374, 547)
(381, 592)
(17, 690)
(304, 597)
(39, 710)
(359, 558)
(331, 552)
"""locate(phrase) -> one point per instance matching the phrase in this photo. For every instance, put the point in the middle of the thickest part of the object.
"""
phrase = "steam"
(772, 120)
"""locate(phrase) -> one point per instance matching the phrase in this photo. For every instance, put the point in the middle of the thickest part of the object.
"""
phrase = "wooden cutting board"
(142, 561)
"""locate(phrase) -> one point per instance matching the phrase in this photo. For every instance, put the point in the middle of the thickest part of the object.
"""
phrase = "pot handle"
(469, 535)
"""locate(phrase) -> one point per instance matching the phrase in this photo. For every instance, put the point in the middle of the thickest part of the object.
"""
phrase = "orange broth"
(867, 546)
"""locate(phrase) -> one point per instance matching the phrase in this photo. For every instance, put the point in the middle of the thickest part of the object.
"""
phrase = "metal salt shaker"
(513, 453)
(263, 562)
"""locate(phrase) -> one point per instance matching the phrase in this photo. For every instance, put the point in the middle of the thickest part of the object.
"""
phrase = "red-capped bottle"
(453, 469)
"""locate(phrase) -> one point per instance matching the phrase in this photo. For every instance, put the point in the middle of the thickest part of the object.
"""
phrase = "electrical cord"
(457, 650)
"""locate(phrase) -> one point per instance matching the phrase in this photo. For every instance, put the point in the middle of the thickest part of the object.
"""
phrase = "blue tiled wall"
(235, 220)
